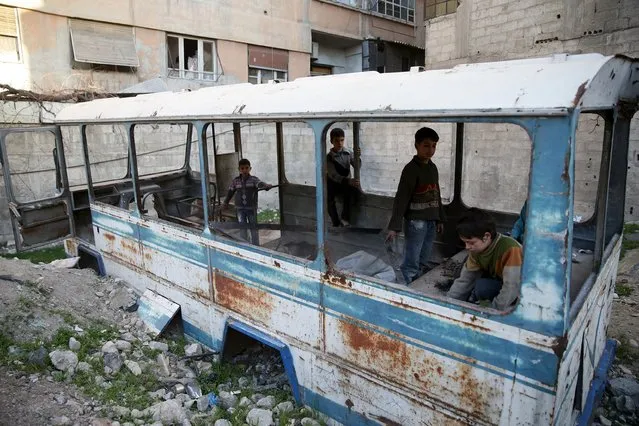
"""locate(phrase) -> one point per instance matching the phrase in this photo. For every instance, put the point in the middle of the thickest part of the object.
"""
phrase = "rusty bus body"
(357, 349)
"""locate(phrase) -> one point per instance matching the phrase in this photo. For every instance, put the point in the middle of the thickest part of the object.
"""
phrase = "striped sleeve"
(510, 263)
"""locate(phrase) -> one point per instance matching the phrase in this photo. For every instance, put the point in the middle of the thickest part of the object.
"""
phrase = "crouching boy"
(493, 268)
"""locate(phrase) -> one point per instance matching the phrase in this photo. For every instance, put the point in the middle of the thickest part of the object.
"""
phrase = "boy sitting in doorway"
(245, 188)
(418, 204)
(493, 268)
(339, 181)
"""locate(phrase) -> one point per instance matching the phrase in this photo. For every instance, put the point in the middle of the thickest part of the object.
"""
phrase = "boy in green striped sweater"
(493, 268)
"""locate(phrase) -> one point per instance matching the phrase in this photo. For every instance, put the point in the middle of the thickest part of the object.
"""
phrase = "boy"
(245, 188)
(418, 204)
(492, 270)
(339, 182)
(519, 228)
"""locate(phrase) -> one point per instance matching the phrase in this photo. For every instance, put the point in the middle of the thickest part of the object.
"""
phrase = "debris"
(260, 417)
(193, 349)
(67, 263)
(193, 390)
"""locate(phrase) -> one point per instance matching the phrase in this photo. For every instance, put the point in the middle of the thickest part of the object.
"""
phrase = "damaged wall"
(493, 30)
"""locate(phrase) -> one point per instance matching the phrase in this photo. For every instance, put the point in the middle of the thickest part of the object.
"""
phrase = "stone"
(168, 395)
(101, 422)
(38, 357)
(243, 382)
(245, 402)
(158, 393)
(307, 421)
(625, 370)
(60, 399)
(123, 345)
(119, 411)
(615, 296)
(128, 337)
(60, 421)
(136, 414)
(226, 400)
(222, 422)
(266, 402)
(284, 407)
(203, 403)
(133, 367)
(168, 412)
(113, 361)
(633, 343)
(259, 417)
(604, 421)
(625, 404)
(74, 345)
(109, 347)
(159, 346)
(193, 349)
(84, 366)
(98, 380)
(64, 360)
(188, 404)
(624, 386)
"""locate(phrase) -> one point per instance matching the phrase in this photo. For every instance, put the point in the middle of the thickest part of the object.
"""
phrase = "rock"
(128, 337)
(259, 417)
(60, 421)
(245, 402)
(38, 357)
(98, 380)
(123, 345)
(113, 361)
(284, 407)
(266, 402)
(119, 411)
(182, 398)
(226, 400)
(624, 386)
(633, 343)
(203, 403)
(60, 399)
(109, 347)
(169, 395)
(604, 421)
(625, 370)
(74, 345)
(222, 422)
(224, 387)
(168, 412)
(307, 421)
(136, 414)
(243, 382)
(193, 349)
(101, 422)
(133, 367)
(64, 360)
(159, 346)
(625, 404)
(121, 298)
(157, 394)
(188, 404)
(615, 296)
(203, 367)
(163, 364)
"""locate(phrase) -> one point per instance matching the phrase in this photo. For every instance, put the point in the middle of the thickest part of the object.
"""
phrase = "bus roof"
(549, 85)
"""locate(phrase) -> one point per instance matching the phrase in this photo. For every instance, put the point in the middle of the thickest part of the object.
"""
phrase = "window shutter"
(100, 43)
(8, 25)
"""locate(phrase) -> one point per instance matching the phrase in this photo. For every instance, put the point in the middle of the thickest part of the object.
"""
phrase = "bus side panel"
(586, 341)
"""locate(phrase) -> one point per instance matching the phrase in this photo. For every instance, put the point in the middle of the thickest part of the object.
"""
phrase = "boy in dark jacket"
(418, 205)
(339, 181)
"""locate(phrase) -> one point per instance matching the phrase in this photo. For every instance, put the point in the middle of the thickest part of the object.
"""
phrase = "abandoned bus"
(139, 185)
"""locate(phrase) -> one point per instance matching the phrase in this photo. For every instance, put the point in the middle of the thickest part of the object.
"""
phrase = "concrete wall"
(489, 30)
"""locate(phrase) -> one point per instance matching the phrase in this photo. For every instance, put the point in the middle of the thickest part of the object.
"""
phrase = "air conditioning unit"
(314, 50)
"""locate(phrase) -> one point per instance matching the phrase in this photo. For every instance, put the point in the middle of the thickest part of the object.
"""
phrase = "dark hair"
(244, 162)
(337, 133)
(475, 223)
(426, 133)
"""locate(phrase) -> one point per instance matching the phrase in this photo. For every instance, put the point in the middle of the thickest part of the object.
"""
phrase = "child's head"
(426, 143)
(337, 138)
(244, 166)
(477, 230)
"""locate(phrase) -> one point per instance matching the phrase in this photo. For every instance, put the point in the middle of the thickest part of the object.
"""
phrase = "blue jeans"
(485, 289)
(248, 219)
(418, 243)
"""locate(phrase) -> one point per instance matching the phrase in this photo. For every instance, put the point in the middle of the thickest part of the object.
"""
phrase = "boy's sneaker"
(344, 222)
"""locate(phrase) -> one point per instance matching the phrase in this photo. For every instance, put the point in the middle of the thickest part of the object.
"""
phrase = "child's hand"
(391, 235)
(358, 152)
(354, 183)
(440, 228)
(267, 187)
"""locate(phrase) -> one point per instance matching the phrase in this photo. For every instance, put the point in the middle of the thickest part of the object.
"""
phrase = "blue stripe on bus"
(465, 341)
(187, 250)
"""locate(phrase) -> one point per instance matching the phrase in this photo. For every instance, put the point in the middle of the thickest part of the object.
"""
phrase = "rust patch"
(244, 299)
(440, 371)
(580, 92)
(109, 236)
(349, 404)
(129, 247)
(559, 346)
(201, 294)
(379, 352)
(470, 392)
(338, 280)
(276, 263)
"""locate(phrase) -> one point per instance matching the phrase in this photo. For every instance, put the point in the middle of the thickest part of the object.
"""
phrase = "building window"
(192, 58)
(436, 8)
(400, 9)
(263, 75)
(9, 43)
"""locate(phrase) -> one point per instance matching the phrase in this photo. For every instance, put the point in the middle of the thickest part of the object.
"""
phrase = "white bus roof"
(549, 85)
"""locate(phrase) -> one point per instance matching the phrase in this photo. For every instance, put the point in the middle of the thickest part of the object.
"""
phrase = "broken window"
(436, 8)
(400, 9)
(266, 63)
(261, 75)
(192, 58)
(9, 43)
